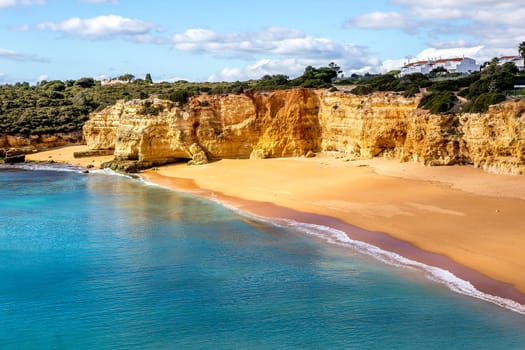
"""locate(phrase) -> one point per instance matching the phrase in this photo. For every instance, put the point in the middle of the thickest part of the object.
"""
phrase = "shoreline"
(491, 290)
(65, 155)
(457, 219)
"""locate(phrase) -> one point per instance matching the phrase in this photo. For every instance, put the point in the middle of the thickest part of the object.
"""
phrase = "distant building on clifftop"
(452, 65)
(112, 82)
(517, 60)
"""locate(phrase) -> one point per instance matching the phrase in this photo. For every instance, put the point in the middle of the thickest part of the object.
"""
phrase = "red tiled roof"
(441, 60)
(415, 63)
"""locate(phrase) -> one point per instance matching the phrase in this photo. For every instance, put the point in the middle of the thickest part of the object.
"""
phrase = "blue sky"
(238, 40)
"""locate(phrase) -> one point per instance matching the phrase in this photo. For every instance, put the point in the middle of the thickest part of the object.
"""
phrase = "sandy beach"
(65, 155)
(468, 221)
(472, 217)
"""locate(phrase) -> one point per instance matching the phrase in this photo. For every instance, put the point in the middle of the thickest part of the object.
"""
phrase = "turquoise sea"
(93, 261)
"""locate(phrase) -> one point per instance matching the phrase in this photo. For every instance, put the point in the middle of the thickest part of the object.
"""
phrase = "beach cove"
(102, 260)
(472, 220)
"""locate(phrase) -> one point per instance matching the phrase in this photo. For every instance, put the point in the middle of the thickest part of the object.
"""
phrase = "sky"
(239, 40)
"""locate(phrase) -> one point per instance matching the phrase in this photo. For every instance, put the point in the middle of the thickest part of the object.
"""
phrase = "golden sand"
(65, 155)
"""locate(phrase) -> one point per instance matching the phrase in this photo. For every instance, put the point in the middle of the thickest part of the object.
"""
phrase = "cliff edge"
(305, 121)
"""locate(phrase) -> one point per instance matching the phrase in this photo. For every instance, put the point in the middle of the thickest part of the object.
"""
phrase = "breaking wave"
(454, 283)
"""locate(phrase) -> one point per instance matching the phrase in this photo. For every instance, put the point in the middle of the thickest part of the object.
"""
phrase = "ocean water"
(91, 261)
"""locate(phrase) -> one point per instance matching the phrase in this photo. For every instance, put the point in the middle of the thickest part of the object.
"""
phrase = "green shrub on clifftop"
(438, 103)
(482, 102)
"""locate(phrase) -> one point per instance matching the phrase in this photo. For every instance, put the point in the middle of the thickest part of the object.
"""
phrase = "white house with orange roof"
(517, 60)
(452, 65)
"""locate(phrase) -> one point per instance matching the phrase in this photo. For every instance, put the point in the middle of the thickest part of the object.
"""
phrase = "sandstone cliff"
(300, 121)
(28, 144)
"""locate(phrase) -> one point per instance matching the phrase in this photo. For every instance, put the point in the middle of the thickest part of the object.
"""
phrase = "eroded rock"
(304, 121)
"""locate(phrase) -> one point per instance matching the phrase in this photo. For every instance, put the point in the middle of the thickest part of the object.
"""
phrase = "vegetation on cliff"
(64, 106)
(477, 91)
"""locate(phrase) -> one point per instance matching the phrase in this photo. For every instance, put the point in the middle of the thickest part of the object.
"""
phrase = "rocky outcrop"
(365, 126)
(277, 124)
(18, 144)
(11, 156)
(389, 125)
(304, 121)
(198, 156)
(93, 153)
(495, 141)
(40, 141)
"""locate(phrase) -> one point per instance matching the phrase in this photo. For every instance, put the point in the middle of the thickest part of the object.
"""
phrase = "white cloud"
(3, 78)
(293, 67)
(379, 20)
(230, 74)
(480, 29)
(470, 15)
(273, 50)
(11, 55)
(270, 41)
(450, 44)
(433, 53)
(17, 56)
(389, 65)
(480, 53)
(102, 27)
(465, 9)
(15, 3)
(290, 66)
(42, 77)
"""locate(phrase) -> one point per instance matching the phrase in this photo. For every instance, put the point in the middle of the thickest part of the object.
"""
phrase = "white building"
(416, 67)
(517, 60)
(452, 65)
(112, 82)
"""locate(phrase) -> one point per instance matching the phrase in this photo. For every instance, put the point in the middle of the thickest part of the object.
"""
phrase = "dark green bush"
(362, 90)
(482, 102)
(85, 82)
(179, 96)
(439, 102)
(384, 82)
(148, 108)
(411, 91)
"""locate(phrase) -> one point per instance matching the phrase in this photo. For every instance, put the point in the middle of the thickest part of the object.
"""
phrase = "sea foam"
(454, 283)
(44, 167)
(108, 171)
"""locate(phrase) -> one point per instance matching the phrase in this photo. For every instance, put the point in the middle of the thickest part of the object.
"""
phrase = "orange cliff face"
(33, 143)
(276, 124)
(295, 122)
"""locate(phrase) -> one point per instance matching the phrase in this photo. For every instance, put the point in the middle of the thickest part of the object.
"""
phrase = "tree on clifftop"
(337, 69)
(85, 83)
(127, 77)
